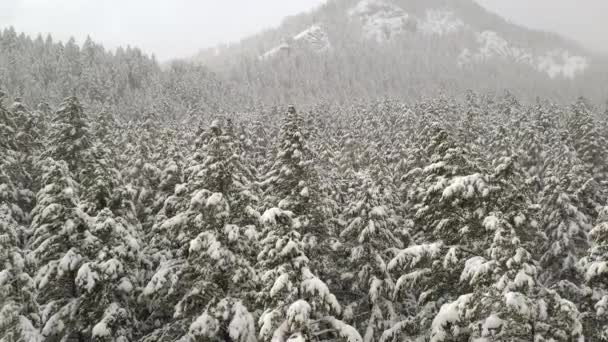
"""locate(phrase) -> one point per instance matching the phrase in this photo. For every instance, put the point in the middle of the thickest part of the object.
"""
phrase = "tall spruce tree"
(60, 240)
(594, 267)
(205, 233)
(369, 235)
(19, 317)
(69, 137)
(293, 185)
(297, 304)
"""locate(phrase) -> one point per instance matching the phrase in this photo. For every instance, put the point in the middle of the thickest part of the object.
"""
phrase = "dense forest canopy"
(440, 220)
(148, 202)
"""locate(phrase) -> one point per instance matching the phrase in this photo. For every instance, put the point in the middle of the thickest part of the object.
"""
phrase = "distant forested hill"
(407, 49)
(126, 81)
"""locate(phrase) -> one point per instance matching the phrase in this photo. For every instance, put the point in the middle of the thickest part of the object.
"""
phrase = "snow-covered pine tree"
(413, 164)
(500, 144)
(69, 137)
(590, 147)
(7, 127)
(141, 170)
(223, 171)
(537, 127)
(369, 234)
(104, 129)
(183, 269)
(218, 280)
(87, 267)
(171, 176)
(213, 168)
(293, 185)
(588, 141)
(564, 223)
(297, 305)
(60, 239)
(18, 155)
(108, 278)
(29, 130)
(452, 199)
(594, 267)
(19, 319)
(260, 147)
(508, 302)
(471, 129)
(99, 180)
(509, 108)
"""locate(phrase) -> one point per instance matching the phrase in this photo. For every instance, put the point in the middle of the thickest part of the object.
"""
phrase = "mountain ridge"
(446, 39)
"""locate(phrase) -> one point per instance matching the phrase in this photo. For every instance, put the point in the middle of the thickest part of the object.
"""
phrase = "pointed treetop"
(215, 127)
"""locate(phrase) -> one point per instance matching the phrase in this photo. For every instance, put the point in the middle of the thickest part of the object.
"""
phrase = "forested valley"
(471, 218)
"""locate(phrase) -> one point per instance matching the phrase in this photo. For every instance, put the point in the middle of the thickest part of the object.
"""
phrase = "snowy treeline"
(126, 81)
(437, 221)
(129, 83)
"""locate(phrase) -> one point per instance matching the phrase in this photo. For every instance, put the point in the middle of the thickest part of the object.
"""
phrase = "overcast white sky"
(179, 28)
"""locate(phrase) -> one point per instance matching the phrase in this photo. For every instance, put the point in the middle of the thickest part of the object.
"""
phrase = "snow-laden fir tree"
(69, 137)
(171, 176)
(204, 234)
(99, 180)
(298, 306)
(29, 129)
(451, 199)
(508, 302)
(222, 170)
(471, 129)
(108, 279)
(60, 238)
(293, 185)
(104, 129)
(369, 235)
(588, 141)
(19, 152)
(141, 171)
(564, 224)
(213, 168)
(7, 127)
(508, 107)
(260, 147)
(452, 196)
(218, 279)
(533, 139)
(594, 267)
(87, 267)
(19, 319)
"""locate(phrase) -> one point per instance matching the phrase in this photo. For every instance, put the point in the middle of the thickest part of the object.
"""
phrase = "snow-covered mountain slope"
(369, 48)
(555, 63)
(385, 20)
(381, 19)
(313, 38)
(276, 51)
(440, 22)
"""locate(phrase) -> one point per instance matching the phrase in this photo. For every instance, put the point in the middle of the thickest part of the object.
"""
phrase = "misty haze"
(304, 171)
